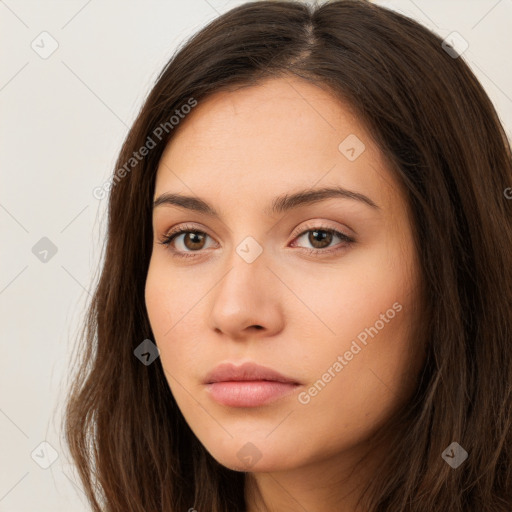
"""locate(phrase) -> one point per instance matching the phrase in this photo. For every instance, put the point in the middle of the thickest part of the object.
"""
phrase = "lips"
(248, 371)
(248, 385)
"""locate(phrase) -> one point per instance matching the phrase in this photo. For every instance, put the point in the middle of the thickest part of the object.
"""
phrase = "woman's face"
(265, 278)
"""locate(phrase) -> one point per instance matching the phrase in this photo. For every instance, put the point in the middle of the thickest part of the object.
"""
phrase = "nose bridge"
(247, 269)
(246, 294)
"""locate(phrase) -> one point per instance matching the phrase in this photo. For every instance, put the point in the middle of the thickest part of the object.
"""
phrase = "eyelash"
(168, 239)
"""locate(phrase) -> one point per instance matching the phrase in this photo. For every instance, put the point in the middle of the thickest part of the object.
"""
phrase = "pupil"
(319, 236)
(194, 238)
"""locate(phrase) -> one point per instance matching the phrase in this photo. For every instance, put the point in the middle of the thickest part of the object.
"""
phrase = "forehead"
(280, 135)
(281, 113)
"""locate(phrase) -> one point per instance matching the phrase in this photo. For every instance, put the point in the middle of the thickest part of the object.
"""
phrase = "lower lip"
(250, 393)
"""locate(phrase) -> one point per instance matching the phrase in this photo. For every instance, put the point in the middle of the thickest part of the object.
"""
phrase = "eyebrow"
(280, 204)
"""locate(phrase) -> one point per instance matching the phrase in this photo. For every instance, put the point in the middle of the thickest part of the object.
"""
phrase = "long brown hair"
(443, 139)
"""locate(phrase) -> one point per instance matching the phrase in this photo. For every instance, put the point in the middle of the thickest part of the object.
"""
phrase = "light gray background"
(63, 120)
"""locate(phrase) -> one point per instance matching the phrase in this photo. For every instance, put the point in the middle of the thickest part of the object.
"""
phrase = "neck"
(333, 484)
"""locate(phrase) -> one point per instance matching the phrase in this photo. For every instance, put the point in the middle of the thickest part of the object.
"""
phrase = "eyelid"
(185, 227)
(310, 225)
(181, 229)
(319, 224)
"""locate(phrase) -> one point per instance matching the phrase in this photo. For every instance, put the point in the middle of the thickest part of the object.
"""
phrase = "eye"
(321, 237)
(193, 240)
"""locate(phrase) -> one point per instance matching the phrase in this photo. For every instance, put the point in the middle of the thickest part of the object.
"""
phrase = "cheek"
(345, 299)
(167, 303)
(358, 381)
(170, 296)
(167, 309)
(158, 305)
(369, 307)
(173, 303)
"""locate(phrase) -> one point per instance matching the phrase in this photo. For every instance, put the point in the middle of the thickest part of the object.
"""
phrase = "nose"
(247, 301)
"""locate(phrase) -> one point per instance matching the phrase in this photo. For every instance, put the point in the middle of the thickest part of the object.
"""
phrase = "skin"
(237, 151)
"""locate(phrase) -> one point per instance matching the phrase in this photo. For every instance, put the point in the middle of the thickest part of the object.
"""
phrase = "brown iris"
(320, 236)
(194, 240)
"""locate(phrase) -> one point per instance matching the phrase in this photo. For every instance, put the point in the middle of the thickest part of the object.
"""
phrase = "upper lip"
(248, 371)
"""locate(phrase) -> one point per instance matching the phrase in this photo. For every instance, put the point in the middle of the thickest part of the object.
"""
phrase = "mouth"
(248, 385)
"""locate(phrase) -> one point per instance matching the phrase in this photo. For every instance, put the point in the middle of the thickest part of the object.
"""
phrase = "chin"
(247, 456)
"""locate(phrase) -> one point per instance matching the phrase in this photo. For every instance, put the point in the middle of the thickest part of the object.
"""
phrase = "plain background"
(63, 120)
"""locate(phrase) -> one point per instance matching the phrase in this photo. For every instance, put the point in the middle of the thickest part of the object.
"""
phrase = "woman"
(306, 297)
